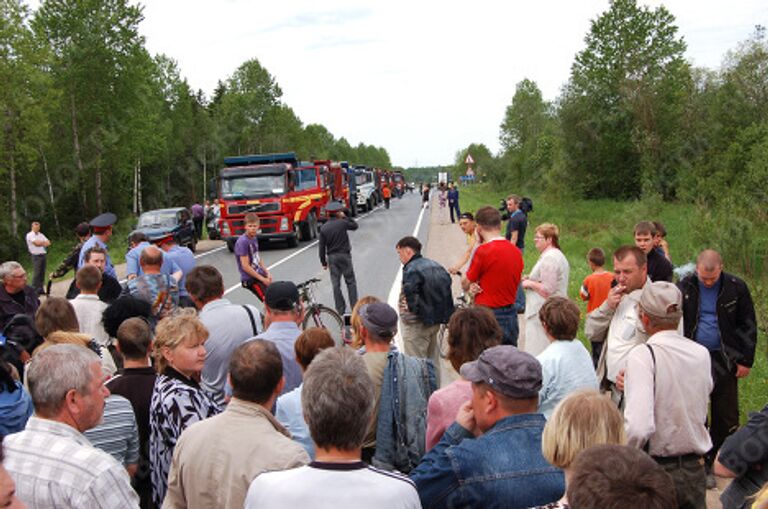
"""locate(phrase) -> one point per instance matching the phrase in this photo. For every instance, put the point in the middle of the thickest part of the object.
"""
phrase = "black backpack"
(526, 205)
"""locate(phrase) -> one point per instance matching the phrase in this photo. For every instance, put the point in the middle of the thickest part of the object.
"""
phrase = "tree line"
(92, 122)
(636, 120)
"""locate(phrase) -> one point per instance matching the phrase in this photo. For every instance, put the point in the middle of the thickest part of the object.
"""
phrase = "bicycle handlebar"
(308, 282)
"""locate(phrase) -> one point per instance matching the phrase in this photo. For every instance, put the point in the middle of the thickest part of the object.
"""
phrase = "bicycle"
(462, 301)
(320, 315)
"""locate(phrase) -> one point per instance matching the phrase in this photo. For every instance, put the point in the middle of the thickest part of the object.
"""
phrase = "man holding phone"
(616, 323)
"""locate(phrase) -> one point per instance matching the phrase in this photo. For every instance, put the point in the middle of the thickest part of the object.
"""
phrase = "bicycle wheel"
(323, 316)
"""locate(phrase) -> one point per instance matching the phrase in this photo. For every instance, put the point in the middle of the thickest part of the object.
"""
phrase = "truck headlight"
(284, 224)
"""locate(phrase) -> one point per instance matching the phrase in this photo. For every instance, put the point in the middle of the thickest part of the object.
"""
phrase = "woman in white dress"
(548, 277)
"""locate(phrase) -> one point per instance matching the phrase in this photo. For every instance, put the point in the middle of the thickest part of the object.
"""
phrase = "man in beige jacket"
(215, 460)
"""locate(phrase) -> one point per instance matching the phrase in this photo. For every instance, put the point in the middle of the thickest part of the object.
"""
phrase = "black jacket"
(109, 292)
(735, 316)
(333, 237)
(10, 308)
(427, 289)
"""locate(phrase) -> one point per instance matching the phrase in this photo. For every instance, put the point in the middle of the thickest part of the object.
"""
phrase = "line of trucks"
(290, 196)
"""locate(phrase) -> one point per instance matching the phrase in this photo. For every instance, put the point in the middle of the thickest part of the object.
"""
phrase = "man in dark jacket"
(336, 253)
(16, 296)
(426, 301)
(83, 232)
(718, 313)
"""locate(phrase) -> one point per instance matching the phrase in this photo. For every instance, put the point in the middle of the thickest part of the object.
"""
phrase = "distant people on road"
(615, 323)
(470, 332)
(83, 232)
(494, 273)
(254, 276)
(386, 194)
(442, 201)
(595, 289)
(229, 325)
(425, 196)
(37, 244)
(718, 313)
(665, 412)
(101, 229)
(198, 214)
(659, 268)
(336, 253)
(16, 297)
(566, 365)
(549, 277)
(110, 290)
(453, 202)
(468, 226)
(338, 403)
(426, 301)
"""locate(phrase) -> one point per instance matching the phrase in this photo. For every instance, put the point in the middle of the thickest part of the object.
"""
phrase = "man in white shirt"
(37, 244)
(88, 307)
(51, 461)
(337, 399)
(615, 322)
(667, 383)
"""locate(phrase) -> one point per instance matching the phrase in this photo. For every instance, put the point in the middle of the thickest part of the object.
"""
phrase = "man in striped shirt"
(51, 462)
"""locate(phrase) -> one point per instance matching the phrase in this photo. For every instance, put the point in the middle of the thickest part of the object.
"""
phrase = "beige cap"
(662, 300)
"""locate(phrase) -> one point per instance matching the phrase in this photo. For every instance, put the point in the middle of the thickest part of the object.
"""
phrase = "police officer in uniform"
(101, 227)
(335, 253)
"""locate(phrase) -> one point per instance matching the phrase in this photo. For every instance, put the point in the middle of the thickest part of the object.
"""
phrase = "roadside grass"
(607, 224)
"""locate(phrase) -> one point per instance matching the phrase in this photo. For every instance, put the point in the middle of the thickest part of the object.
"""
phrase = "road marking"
(295, 253)
(394, 292)
(215, 250)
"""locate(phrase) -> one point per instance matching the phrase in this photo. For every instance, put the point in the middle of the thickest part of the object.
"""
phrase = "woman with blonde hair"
(548, 277)
(583, 419)
(177, 399)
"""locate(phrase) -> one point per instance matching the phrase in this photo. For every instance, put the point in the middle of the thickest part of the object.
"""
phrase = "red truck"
(289, 196)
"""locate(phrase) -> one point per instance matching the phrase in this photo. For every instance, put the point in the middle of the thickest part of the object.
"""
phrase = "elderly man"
(229, 325)
(426, 300)
(160, 290)
(284, 313)
(242, 442)
(110, 290)
(401, 389)
(337, 400)
(491, 456)
(718, 314)
(67, 388)
(615, 323)
(16, 297)
(665, 412)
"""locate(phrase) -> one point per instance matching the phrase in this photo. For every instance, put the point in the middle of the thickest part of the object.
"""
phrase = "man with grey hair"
(16, 297)
(337, 400)
(245, 439)
(718, 313)
(666, 410)
(67, 388)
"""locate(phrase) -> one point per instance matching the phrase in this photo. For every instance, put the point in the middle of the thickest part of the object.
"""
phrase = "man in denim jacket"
(491, 456)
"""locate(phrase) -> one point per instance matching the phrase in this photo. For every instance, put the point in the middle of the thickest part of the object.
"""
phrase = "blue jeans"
(507, 318)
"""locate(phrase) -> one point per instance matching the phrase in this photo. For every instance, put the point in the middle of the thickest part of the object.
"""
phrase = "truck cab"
(365, 180)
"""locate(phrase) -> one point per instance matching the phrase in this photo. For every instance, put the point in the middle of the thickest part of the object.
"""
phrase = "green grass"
(607, 224)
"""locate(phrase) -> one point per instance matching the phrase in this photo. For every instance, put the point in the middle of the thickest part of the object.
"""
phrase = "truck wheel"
(293, 241)
(313, 229)
(304, 230)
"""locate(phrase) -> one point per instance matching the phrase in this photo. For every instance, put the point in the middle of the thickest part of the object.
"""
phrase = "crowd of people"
(166, 394)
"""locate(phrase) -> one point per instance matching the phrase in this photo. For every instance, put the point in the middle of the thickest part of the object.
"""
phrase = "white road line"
(394, 292)
(211, 251)
(295, 253)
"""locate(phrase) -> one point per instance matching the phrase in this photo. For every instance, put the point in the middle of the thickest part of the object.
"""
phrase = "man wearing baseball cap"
(283, 314)
(491, 456)
(667, 385)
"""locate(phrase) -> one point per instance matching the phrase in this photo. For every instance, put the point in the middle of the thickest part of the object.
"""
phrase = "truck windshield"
(252, 187)
(157, 218)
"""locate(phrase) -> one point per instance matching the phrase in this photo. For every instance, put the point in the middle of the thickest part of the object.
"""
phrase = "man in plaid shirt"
(51, 462)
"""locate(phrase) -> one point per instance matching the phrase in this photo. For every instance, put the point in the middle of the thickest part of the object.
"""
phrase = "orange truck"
(288, 195)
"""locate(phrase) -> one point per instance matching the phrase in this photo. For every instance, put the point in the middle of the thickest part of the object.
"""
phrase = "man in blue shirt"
(183, 258)
(719, 314)
(138, 242)
(101, 228)
(491, 456)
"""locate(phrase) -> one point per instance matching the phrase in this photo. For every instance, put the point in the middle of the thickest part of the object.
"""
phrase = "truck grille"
(261, 207)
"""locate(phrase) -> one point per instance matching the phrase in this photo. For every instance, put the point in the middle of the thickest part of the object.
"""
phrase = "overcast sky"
(421, 78)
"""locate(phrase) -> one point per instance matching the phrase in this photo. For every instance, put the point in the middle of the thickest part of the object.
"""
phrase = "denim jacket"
(401, 425)
(502, 468)
(427, 289)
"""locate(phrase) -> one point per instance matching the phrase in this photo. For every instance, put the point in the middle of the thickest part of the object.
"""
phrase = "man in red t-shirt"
(494, 273)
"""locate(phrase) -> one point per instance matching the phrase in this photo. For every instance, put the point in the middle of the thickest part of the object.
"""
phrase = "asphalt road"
(373, 255)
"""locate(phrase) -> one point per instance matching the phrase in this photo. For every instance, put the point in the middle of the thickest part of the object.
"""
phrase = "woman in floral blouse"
(177, 400)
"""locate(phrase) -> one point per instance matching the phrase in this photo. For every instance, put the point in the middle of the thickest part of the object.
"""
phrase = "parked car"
(161, 222)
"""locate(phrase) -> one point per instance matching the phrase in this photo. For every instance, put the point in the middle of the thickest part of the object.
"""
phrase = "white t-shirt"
(33, 249)
(322, 485)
